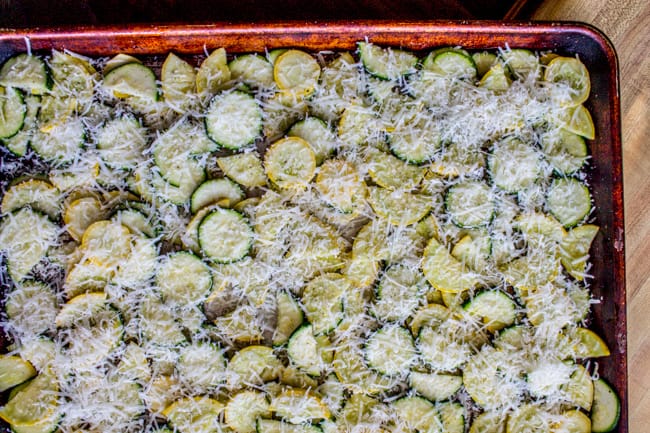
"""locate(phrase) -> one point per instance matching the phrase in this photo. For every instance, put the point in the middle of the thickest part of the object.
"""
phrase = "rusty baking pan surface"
(151, 43)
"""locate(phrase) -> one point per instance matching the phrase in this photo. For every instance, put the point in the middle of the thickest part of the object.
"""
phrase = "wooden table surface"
(627, 24)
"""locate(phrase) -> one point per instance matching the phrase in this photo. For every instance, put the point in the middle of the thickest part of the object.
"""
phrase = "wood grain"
(627, 23)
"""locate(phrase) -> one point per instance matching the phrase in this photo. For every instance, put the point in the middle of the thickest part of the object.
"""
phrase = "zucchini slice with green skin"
(183, 278)
(158, 324)
(13, 110)
(514, 165)
(244, 408)
(172, 154)
(435, 386)
(14, 370)
(398, 293)
(443, 271)
(32, 306)
(390, 172)
(415, 137)
(253, 70)
(386, 63)
(27, 72)
(398, 207)
(323, 299)
(62, 142)
(470, 204)
(132, 79)
(302, 350)
(214, 191)
(565, 151)
(390, 350)
(418, 413)
(451, 63)
(568, 200)
(121, 142)
(290, 316)
(225, 236)
(201, 365)
(494, 308)
(19, 142)
(488, 422)
(606, 410)
(136, 221)
(233, 120)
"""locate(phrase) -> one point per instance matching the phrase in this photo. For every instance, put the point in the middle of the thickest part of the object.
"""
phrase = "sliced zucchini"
(474, 251)
(443, 271)
(92, 339)
(339, 183)
(13, 112)
(414, 135)
(484, 60)
(183, 279)
(574, 249)
(457, 160)
(157, 323)
(441, 350)
(428, 315)
(521, 63)
(290, 163)
(606, 410)
(19, 142)
(546, 377)
(134, 365)
(34, 403)
(121, 142)
(514, 165)
(243, 410)
(566, 151)
(319, 136)
(390, 350)
(435, 386)
(386, 63)
(303, 351)
(32, 306)
(62, 142)
(579, 389)
(470, 204)
(244, 168)
(568, 200)
(26, 236)
(137, 222)
(274, 426)
(233, 120)
(27, 72)
(296, 71)
(178, 82)
(528, 417)
(132, 79)
(14, 370)
(399, 207)
(488, 422)
(253, 70)
(38, 194)
(452, 415)
(172, 153)
(495, 79)
(225, 236)
(419, 414)
(201, 365)
(213, 191)
(254, 365)
(571, 72)
(398, 293)
(213, 73)
(299, 406)
(323, 299)
(390, 172)
(494, 308)
(452, 63)
(360, 125)
(195, 415)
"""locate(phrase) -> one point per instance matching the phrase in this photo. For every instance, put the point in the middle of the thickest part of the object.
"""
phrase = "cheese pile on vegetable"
(292, 242)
